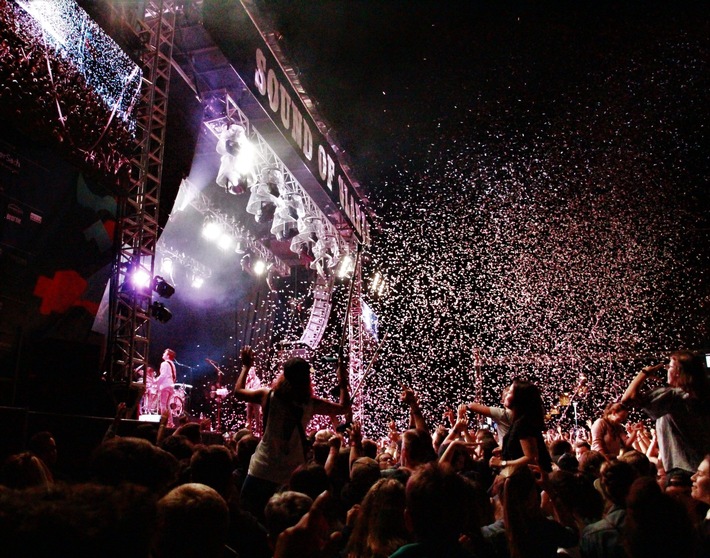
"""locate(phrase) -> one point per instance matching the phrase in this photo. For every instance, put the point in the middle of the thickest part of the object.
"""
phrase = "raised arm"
(632, 392)
(480, 409)
(240, 391)
(356, 450)
(416, 418)
(344, 404)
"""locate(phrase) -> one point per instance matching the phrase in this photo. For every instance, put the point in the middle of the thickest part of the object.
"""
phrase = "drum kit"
(179, 401)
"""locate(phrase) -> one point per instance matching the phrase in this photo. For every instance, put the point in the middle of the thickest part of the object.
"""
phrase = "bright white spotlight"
(166, 266)
(212, 230)
(259, 267)
(225, 242)
(246, 159)
(140, 279)
(347, 265)
(197, 282)
(236, 171)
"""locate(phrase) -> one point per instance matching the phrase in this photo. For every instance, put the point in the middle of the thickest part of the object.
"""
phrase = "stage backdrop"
(55, 254)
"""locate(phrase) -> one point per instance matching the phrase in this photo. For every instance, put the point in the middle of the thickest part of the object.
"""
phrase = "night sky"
(540, 176)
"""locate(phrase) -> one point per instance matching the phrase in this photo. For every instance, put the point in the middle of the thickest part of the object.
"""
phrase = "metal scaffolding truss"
(202, 203)
(266, 157)
(137, 236)
(355, 333)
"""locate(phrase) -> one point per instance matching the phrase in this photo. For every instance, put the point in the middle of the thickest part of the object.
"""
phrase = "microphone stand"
(577, 390)
(219, 397)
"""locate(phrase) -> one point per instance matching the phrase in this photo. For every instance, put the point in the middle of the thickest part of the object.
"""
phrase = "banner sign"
(240, 39)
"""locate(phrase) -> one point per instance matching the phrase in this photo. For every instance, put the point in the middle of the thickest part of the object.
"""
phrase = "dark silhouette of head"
(616, 478)
(283, 510)
(295, 382)
(657, 524)
(192, 523)
(436, 504)
(526, 402)
(692, 373)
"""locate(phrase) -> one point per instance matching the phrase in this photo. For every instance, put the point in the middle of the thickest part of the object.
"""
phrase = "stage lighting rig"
(239, 246)
(236, 173)
(160, 312)
(326, 254)
(259, 267)
(212, 229)
(254, 264)
(162, 287)
(140, 279)
(309, 227)
(265, 195)
(285, 224)
(346, 267)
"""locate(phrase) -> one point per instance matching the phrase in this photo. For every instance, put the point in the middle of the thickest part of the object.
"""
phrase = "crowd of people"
(42, 91)
(447, 490)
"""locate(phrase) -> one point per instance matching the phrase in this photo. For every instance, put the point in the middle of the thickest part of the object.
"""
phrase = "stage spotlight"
(242, 185)
(259, 267)
(235, 173)
(326, 254)
(212, 230)
(347, 266)
(285, 223)
(160, 312)
(240, 246)
(197, 282)
(166, 266)
(308, 227)
(265, 195)
(245, 262)
(162, 287)
(140, 279)
(224, 242)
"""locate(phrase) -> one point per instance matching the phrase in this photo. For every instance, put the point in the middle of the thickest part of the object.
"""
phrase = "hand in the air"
(247, 356)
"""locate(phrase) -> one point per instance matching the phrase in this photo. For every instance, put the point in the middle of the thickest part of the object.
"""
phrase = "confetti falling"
(106, 68)
(544, 205)
(560, 240)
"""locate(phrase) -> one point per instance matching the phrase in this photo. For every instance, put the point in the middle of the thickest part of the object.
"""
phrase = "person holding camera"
(681, 409)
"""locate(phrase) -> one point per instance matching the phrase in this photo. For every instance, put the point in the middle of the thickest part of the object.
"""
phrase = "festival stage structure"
(265, 171)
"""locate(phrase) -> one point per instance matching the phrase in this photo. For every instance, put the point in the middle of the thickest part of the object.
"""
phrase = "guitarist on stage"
(165, 383)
